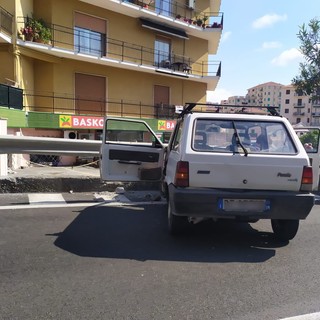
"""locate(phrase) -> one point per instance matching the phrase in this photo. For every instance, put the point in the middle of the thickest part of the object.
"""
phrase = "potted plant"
(205, 18)
(36, 30)
(43, 33)
(27, 32)
(198, 22)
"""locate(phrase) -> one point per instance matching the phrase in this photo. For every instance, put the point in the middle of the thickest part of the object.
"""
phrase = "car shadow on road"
(140, 233)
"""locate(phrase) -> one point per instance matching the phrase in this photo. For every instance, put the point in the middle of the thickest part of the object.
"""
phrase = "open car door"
(130, 151)
(309, 136)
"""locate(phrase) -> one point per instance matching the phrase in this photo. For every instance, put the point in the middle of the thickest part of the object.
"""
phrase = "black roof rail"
(219, 107)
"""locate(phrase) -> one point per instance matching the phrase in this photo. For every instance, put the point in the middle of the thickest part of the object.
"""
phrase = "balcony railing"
(6, 20)
(88, 42)
(298, 113)
(316, 104)
(178, 10)
(68, 104)
(299, 105)
(316, 114)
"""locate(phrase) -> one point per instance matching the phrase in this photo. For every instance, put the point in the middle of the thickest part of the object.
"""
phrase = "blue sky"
(259, 43)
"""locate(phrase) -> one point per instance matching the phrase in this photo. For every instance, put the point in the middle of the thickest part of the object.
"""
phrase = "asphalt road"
(118, 262)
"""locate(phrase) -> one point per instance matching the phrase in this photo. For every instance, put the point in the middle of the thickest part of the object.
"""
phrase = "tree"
(308, 82)
(310, 137)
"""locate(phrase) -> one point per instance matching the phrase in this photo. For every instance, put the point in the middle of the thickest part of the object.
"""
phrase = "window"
(90, 92)
(299, 102)
(163, 7)
(227, 136)
(286, 110)
(287, 101)
(287, 91)
(162, 52)
(161, 100)
(88, 41)
(134, 133)
(176, 136)
(89, 35)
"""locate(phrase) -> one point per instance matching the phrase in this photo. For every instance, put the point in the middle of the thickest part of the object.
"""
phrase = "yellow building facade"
(100, 58)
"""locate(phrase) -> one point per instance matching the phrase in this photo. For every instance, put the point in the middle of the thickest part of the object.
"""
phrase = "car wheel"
(285, 230)
(176, 224)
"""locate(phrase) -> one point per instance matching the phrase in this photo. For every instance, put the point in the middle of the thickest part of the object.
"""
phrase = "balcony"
(316, 104)
(6, 26)
(298, 113)
(174, 14)
(316, 114)
(299, 105)
(95, 47)
(67, 104)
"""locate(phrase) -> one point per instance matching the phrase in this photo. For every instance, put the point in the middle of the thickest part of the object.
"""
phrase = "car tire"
(176, 224)
(285, 230)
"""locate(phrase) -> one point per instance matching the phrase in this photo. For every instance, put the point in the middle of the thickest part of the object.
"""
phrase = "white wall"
(3, 157)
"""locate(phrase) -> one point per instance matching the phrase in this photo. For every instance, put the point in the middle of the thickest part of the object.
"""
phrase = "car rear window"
(238, 136)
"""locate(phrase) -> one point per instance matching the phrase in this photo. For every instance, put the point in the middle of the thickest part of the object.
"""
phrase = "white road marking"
(309, 316)
(46, 198)
(78, 204)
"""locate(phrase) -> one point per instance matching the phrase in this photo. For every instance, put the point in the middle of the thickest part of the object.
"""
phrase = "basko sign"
(67, 121)
(166, 125)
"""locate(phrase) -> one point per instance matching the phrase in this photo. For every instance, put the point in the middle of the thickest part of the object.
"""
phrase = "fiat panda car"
(219, 165)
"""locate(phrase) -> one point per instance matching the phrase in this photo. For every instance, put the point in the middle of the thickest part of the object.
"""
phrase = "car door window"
(129, 132)
(176, 136)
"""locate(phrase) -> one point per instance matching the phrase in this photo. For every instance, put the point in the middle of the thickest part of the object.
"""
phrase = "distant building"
(235, 100)
(265, 94)
(296, 108)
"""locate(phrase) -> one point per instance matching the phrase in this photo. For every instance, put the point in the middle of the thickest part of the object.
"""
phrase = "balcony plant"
(199, 22)
(28, 33)
(36, 30)
(205, 18)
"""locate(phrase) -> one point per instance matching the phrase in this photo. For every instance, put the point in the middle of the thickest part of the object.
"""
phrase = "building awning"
(163, 28)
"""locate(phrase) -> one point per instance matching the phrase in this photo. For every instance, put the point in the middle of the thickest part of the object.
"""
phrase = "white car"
(217, 165)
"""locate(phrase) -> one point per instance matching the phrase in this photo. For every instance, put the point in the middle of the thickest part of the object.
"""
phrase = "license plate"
(245, 205)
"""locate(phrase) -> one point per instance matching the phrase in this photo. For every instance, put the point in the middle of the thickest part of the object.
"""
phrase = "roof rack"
(272, 110)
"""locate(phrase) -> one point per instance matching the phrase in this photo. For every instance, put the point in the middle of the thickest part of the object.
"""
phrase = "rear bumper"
(207, 203)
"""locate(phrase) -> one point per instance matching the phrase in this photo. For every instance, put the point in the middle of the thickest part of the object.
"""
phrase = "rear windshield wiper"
(238, 140)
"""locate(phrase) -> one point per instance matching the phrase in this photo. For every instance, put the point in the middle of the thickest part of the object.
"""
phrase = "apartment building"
(235, 100)
(66, 64)
(265, 94)
(295, 107)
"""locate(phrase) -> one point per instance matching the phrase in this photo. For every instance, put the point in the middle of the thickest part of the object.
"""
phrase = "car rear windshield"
(235, 136)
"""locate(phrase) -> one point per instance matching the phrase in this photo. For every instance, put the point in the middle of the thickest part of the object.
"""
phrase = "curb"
(60, 184)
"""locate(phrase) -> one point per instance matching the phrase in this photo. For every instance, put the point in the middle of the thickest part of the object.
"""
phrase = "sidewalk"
(62, 179)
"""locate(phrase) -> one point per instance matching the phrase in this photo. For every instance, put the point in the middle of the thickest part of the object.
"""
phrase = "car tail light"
(307, 179)
(182, 174)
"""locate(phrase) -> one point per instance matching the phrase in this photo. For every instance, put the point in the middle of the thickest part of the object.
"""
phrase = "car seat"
(200, 140)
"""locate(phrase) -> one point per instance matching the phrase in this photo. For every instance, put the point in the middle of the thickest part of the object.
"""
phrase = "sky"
(259, 43)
